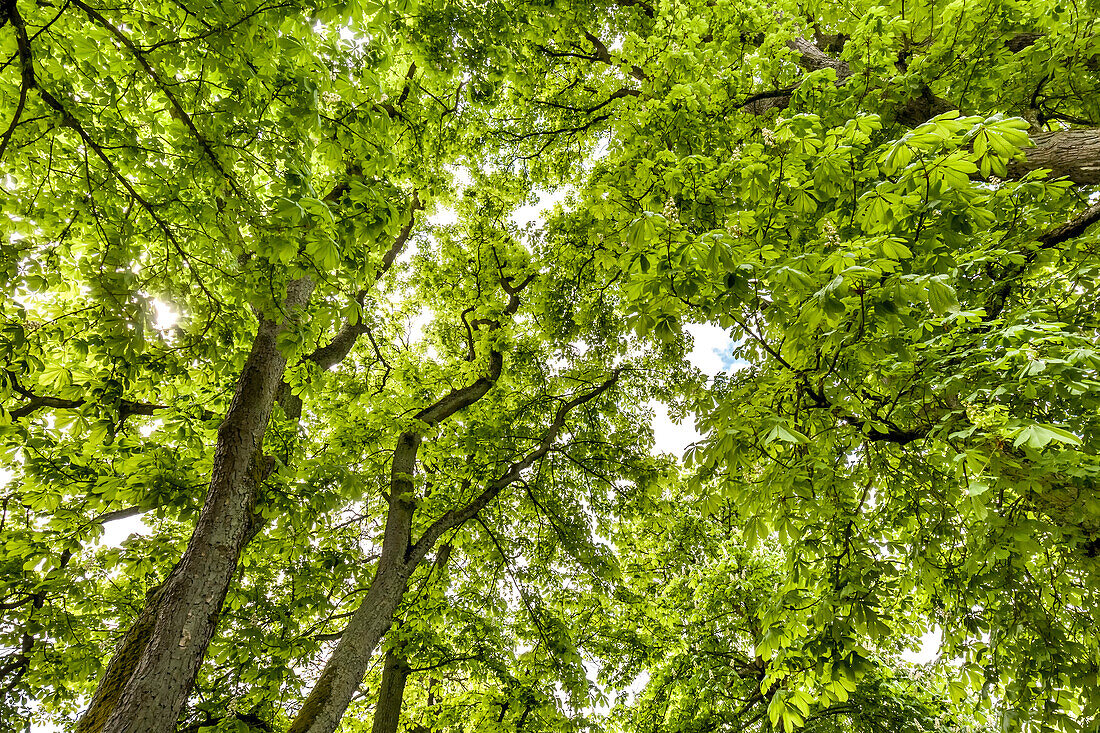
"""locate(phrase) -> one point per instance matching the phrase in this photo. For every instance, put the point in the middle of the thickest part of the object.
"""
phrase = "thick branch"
(391, 693)
(392, 109)
(813, 58)
(604, 56)
(343, 673)
(1072, 154)
(462, 397)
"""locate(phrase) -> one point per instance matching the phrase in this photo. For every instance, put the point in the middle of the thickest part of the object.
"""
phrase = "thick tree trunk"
(152, 672)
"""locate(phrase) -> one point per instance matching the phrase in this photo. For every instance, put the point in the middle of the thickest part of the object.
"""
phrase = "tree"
(890, 207)
(865, 197)
(260, 169)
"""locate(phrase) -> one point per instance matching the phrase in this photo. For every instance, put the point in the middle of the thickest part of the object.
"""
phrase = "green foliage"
(856, 192)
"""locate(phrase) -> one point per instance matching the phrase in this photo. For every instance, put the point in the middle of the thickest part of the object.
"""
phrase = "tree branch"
(1073, 154)
(457, 517)
(27, 82)
(126, 407)
(1071, 229)
(180, 112)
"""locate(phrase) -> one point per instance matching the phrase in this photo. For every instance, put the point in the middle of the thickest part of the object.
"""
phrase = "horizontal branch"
(125, 407)
(1072, 154)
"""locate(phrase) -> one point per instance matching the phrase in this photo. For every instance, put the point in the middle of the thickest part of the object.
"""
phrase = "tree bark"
(343, 673)
(148, 679)
(395, 673)
(1072, 154)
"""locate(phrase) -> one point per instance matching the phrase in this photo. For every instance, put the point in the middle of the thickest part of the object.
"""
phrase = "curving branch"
(11, 12)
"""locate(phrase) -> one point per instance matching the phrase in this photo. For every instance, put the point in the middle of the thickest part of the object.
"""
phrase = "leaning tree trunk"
(147, 681)
(395, 673)
(343, 673)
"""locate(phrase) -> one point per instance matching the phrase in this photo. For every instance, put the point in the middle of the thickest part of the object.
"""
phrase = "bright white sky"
(711, 354)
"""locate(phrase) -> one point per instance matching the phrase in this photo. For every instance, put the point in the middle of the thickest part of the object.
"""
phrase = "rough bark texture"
(330, 696)
(813, 58)
(1073, 154)
(147, 683)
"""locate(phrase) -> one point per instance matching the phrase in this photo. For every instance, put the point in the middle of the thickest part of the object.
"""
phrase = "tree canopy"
(267, 288)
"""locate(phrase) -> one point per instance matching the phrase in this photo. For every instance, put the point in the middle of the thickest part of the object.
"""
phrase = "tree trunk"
(148, 680)
(331, 695)
(395, 673)
(328, 700)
